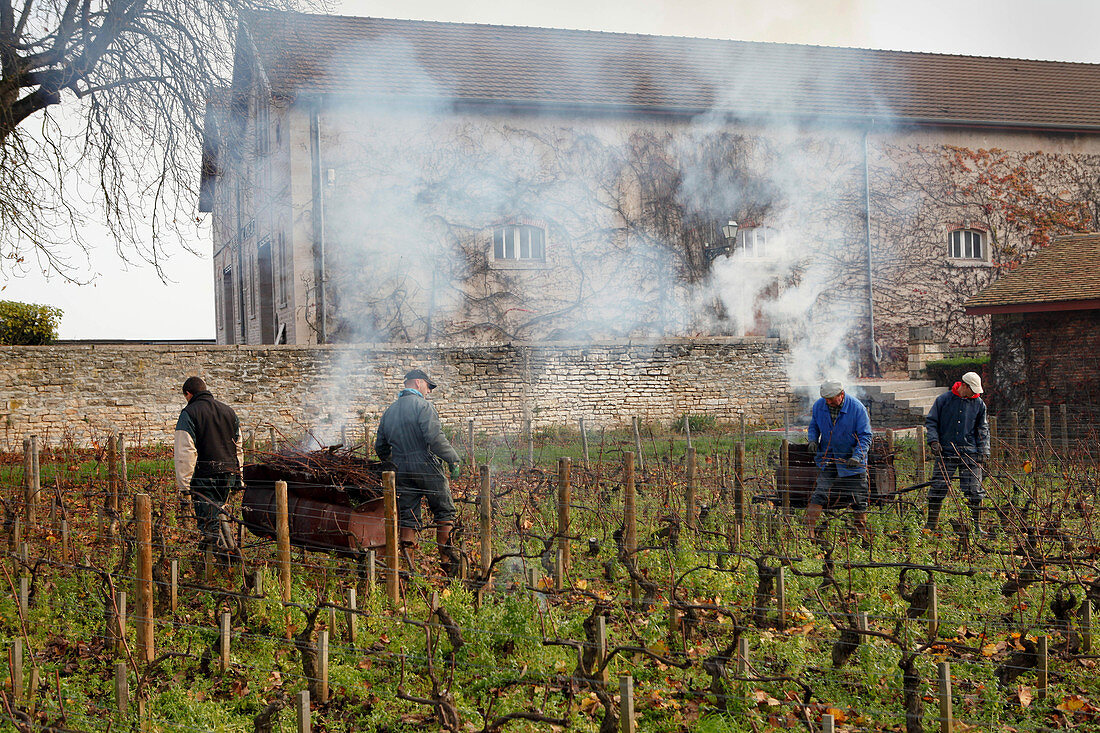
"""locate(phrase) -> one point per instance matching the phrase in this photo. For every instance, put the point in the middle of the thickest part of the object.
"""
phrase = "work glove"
(456, 470)
(935, 447)
(813, 446)
(853, 462)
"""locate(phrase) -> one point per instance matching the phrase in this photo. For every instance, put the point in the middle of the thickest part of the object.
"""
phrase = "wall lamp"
(729, 236)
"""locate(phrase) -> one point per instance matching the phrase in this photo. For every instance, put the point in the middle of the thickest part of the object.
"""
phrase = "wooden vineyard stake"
(322, 665)
(559, 571)
(601, 649)
(143, 516)
(15, 667)
(741, 421)
(36, 483)
(565, 498)
(372, 571)
(352, 617)
(29, 509)
(689, 498)
(118, 628)
(16, 537)
(274, 442)
(626, 704)
(1031, 442)
(470, 443)
(785, 476)
(630, 529)
(174, 585)
(258, 583)
(65, 539)
(1063, 414)
(933, 610)
(529, 433)
(743, 661)
(828, 724)
(282, 533)
(1086, 626)
(638, 454)
(1043, 679)
(24, 596)
(1048, 437)
(947, 718)
(485, 516)
(781, 597)
(32, 688)
(123, 468)
(208, 565)
(224, 636)
(122, 688)
(393, 580)
(302, 708)
(584, 443)
(112, 485)
(739, 483)
(687, 428)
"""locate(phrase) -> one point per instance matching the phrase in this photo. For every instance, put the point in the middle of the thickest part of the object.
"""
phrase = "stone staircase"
(897, 403)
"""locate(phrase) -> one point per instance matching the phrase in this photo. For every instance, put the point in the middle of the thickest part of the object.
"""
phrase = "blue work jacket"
(850, 436)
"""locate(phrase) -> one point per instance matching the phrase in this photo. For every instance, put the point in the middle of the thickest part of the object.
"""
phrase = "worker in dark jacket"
(208, 457)
(840, 441)
(958, 436)
(411, 436)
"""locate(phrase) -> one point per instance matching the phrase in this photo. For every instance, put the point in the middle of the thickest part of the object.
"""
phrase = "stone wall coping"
(400, 346)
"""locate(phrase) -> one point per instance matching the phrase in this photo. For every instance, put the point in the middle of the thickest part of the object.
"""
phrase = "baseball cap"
(973, 381)
(420, 374)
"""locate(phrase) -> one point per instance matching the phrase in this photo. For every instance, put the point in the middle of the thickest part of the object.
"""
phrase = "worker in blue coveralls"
(840, 440)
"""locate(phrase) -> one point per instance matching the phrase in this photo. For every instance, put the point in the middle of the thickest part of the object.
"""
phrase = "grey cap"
(831, 388)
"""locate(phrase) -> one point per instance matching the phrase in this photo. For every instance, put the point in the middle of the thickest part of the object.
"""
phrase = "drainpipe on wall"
(318, 217)
(873, 347)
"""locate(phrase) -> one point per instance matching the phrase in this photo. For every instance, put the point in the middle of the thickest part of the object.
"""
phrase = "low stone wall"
(82, 392)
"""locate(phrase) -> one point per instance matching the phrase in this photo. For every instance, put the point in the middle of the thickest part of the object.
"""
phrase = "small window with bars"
(519, 243)
(966, 244)
(753, 241)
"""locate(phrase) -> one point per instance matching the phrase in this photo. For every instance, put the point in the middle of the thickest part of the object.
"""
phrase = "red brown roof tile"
(1065, 274)
(567, 68)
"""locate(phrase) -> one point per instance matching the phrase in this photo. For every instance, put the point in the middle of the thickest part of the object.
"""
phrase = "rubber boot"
(934, 508)
(976, 514)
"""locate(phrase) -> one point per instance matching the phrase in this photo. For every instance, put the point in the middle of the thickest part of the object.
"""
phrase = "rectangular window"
(251, 285)
(284, 269)
(966, 244)
(519, 242)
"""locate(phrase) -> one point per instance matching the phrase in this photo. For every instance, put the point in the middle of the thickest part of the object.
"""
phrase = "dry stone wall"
(81, 392)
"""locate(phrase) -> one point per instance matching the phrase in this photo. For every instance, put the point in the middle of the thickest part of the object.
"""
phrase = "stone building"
(379, 180)
(1046, 330)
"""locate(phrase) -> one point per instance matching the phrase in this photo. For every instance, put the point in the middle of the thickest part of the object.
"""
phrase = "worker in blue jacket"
(840, 440)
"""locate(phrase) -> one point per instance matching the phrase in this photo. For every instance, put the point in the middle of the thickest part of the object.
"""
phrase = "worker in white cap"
(840, 440)
(958, 436)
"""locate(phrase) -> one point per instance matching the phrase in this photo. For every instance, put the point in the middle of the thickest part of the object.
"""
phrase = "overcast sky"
(129, 301)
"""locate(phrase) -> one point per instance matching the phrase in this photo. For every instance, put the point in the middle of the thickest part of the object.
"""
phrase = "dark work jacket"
(215, 429)
(958, 425)
(411, 436)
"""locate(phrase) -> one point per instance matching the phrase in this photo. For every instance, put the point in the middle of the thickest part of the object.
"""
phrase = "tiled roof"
(544, 66)
(1067, 270)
